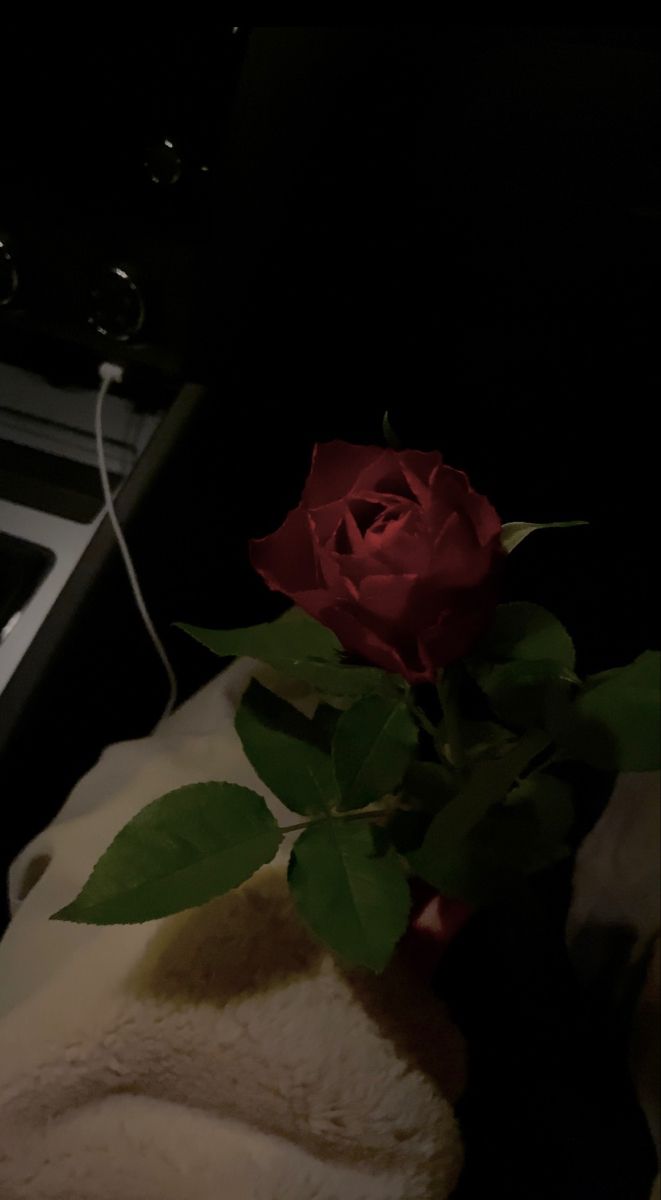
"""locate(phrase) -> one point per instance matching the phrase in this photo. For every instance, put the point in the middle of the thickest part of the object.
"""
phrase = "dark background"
(461, 225)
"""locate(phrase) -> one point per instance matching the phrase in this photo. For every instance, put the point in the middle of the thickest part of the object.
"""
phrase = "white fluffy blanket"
(220, 1053)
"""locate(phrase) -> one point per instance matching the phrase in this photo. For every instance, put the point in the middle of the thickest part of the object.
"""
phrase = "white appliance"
(50, 497)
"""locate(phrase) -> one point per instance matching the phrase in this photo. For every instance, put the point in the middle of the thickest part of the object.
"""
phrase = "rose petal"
(365, 513)
(486, 521)
(452, 492)
(287, 559)
(386, 499)
(402, 545)
(483, 516)
(358, 638)
(387, 596)
(385, 533)
(385, 477)
(326, 520)
(448, 494)
(354, 537)
(420, 469)
(329, 563)
(355, 567)
(458, 627)
(408, 474)
(457, 555)
(335, 468)
(337, 572)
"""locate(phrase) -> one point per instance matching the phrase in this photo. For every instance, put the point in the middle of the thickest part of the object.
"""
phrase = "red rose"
(393, 551)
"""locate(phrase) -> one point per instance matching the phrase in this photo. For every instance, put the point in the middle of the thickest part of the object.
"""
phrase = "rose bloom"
(393, 551)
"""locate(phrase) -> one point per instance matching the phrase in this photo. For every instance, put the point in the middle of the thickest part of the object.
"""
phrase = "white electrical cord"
(111, 373)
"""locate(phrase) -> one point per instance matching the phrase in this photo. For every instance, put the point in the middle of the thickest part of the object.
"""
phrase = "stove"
(51, 505)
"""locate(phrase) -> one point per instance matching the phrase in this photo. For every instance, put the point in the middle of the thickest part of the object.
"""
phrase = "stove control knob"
(117, 306)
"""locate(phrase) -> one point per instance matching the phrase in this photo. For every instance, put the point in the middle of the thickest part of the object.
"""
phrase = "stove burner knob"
(163, 162)
(117, 307)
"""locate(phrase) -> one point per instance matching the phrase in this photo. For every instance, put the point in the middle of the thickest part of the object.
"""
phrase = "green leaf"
(505, 847)
(290, 753)
(430, 784)
(615, 721)
(527, 693)
(325, 722)
(526, 631)
(336, 679)
(297, 646)
(353, 900)
(525, 833)
(514, 532)
(438, 858)
(406, 829)
(373, 745)
(485, 739)
(180, 851)
(551, 800)
(274, 642)
(389, 435)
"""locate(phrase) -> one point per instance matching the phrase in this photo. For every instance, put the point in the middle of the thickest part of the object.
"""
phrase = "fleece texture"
(221, 1053)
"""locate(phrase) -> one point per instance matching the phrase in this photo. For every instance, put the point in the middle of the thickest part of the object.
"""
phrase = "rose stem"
(360, 816)
(451, 715)
(423, 721)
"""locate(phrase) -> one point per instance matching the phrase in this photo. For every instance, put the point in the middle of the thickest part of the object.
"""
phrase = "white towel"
(220, 1053)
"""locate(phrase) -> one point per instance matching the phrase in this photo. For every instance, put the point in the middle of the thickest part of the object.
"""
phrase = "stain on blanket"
(251, 941)
(248, 941)
(416, 1022)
